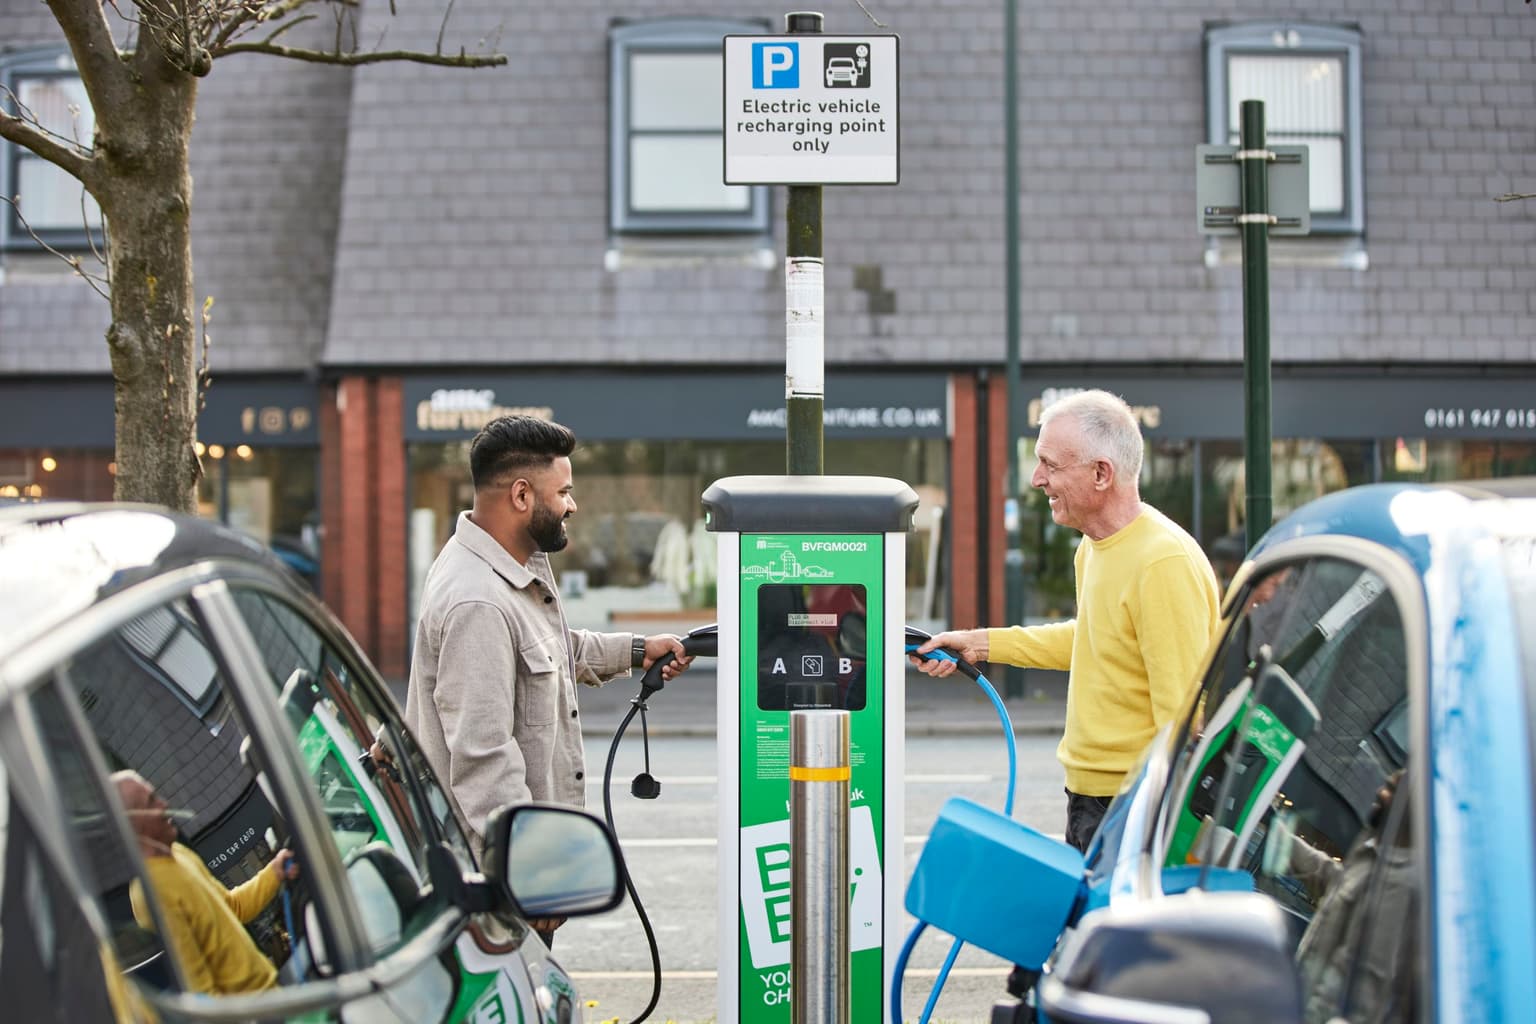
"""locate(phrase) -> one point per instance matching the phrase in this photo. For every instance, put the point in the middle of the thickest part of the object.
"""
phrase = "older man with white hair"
(1147, 605)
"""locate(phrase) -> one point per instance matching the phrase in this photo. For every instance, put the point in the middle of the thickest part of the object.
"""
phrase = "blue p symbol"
(775, 65)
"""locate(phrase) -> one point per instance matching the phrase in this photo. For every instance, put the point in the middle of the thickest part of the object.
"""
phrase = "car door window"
(353, 748)
(153, 696)
(1293, 769)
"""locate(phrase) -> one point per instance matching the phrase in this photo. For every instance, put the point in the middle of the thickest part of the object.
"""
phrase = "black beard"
(547, 528)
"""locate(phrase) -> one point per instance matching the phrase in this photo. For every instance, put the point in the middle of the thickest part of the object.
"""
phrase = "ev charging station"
(811, 597)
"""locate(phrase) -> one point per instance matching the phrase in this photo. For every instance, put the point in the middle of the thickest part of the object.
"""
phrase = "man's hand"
(970, 644)
(285, 864)
(666, 643)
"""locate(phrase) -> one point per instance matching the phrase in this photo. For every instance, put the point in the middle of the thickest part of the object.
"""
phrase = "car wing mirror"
(1210, 957)
(546, 860)
(996, 883)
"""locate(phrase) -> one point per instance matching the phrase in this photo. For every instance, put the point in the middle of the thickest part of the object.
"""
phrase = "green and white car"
(131, 639)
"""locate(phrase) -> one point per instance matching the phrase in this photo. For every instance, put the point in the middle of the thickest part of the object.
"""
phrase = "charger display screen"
(812, 642)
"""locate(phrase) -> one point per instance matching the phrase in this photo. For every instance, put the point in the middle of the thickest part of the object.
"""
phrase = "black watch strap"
(637, 652)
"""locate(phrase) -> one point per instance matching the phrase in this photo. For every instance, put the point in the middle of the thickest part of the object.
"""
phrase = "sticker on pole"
(811, 110)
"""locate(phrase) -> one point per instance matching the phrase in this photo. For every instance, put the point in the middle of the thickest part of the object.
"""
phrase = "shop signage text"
(895, 417)
(459, 409)
(1149, 416)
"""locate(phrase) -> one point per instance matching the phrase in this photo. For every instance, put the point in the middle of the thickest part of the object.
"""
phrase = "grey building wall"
(473, 214)
(266, 167)
(402, 215)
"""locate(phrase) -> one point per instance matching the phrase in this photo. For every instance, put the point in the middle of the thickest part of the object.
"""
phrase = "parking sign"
(811, 110)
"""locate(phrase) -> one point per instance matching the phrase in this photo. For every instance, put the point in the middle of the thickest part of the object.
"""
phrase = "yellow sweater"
(206, 922)
(1147, 609)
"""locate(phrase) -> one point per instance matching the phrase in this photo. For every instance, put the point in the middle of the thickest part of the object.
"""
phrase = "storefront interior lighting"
(245, 452)
(49, 463)
(112, 469)
(10, 491)
(216, 451)
(34, 490)
(200, 448)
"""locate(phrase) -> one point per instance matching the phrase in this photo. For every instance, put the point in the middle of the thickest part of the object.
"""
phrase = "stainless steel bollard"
(818, 880)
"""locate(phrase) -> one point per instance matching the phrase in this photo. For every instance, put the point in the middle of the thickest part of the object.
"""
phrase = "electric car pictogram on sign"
(846, 65)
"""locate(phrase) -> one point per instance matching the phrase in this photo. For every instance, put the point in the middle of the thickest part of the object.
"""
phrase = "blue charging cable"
(915, 639)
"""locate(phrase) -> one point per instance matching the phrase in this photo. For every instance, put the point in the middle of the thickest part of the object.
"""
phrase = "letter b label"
(775, 65)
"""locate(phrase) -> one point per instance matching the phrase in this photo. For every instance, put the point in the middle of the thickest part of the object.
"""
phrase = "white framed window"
(665, 150)
(1309, 79)
(48, 205)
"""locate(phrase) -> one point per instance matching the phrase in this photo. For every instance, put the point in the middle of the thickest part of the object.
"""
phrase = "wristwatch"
(637, 652)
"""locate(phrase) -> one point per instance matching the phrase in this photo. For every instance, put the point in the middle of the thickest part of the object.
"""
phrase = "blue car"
(1341, 827)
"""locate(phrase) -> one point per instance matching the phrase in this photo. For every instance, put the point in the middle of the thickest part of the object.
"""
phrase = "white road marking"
(911, 779)
(663, 843)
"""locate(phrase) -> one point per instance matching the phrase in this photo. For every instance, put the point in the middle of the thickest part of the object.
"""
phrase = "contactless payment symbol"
(775, 65)
(810, 665)
(846, 65)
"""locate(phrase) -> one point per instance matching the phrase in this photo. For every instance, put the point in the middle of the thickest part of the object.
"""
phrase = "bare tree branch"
(99, 283)
(1509, 197)
(44, 143)
(877, 21)
(459, 60)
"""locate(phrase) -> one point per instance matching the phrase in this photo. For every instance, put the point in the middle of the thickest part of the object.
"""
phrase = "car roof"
(57, 559)
(1409, 517)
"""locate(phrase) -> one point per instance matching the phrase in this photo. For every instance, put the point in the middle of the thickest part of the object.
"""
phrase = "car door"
(140, 697)
(1297, 767)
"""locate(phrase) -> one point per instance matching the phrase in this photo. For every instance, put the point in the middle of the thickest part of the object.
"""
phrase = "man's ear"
(1103, 474)
(520, 491)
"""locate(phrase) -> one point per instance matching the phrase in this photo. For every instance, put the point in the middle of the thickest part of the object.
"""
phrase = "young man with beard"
(1147, 605)
(492, 693)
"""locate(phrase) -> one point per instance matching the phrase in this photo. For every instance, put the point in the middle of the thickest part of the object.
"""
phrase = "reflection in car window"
(207, 829)
(1295, 748)
(372, 814)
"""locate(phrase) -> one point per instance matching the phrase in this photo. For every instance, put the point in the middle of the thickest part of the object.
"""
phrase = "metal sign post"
(1229, 203)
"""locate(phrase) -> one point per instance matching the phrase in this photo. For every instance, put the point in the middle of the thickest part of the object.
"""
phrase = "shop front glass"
(639, 557)
(269, 493)
(1201, 486)
(53, 474)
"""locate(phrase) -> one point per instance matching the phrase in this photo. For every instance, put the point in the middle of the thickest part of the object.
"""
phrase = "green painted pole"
(1254, 218)
(1013, 558)
(804, 388)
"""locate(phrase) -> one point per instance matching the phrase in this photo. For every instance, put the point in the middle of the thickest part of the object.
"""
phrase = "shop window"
(51, 208)
(1309, 79)
(666, 147)
(1425, 461)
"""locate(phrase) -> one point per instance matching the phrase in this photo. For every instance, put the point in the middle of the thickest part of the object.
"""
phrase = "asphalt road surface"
(671, 848)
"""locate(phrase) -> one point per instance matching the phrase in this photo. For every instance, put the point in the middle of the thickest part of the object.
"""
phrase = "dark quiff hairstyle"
(509, 444)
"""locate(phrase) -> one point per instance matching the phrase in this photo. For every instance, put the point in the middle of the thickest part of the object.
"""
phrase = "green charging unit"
(811, 596)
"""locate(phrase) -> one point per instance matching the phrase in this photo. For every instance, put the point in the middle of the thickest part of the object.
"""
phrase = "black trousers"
(1083, 816)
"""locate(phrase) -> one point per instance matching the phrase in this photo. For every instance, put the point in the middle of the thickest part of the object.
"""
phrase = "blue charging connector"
(915, 638)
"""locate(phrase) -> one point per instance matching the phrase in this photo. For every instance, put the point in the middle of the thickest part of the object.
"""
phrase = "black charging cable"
(702, 641)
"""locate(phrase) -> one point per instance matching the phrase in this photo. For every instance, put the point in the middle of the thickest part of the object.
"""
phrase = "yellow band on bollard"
(799, 774)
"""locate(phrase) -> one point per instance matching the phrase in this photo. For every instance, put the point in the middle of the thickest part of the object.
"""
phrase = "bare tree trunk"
(152, 337)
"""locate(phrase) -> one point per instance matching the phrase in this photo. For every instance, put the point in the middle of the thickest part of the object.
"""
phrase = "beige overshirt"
(492, 695)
